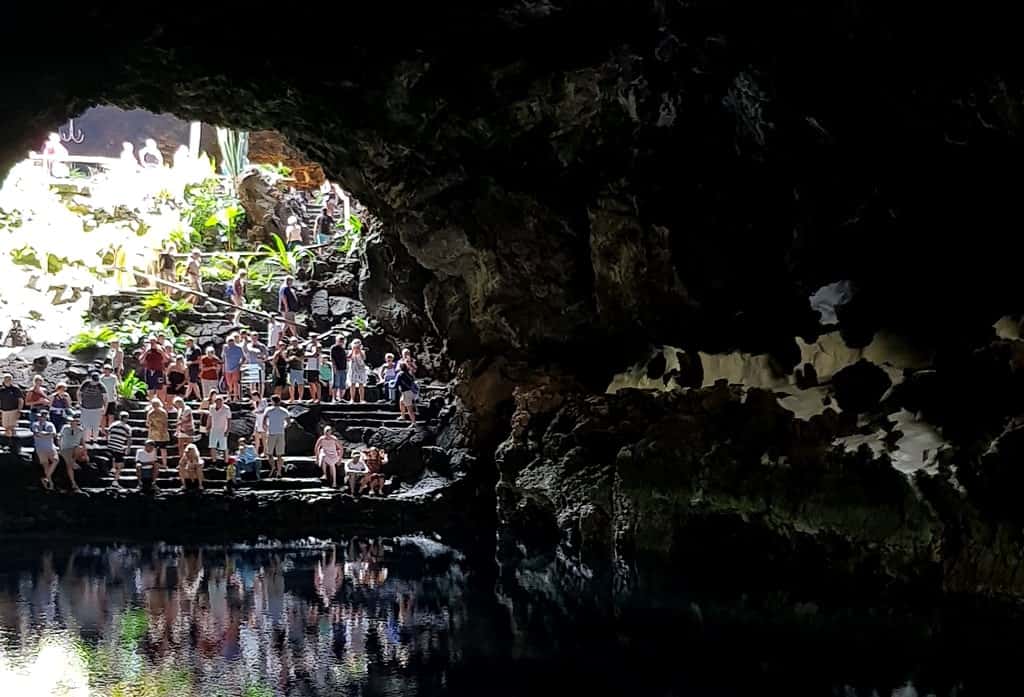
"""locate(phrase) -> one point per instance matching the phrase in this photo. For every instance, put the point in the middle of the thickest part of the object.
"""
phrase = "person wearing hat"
(220, 423)
(92, 399)
(71, 441)
(145, 465)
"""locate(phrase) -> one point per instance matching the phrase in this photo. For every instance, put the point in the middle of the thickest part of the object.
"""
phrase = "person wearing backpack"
(235, 292)
(405, 383)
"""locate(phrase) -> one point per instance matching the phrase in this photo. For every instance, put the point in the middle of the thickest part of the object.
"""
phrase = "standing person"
(388, 374)
(357, 371)
(256, 355)
(109, 382)
(36, 399)
(339, 361)
(192, 356)
(150, 155)
(313, 369)
(12, 400)
(186, 427)
(71, 440)
(296, 377)
(220, 423)
(409, 361)
(275, 330)
(177, 376)
(293, 233)
(157, 429)
(407, 402)
(44, 439)
(288, 305)
(167, 268)
(119, 440)
(145, 466)
(190, 466)
(259, 433)
(116, 357)
(322, 227)
(153, 361)
(234, 356)
(235, 291)
(209, 371)
(280, 368)
(275, 422)
(194, 276)
(60, 404)
(92, 399)
(328, 452)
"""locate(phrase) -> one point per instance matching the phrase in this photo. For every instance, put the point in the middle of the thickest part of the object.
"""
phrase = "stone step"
(130, 481)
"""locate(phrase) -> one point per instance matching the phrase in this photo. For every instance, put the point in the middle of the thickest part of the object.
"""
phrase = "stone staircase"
(301, 470)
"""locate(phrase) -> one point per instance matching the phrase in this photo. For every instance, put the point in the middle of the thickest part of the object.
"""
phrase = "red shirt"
(153, 359)
(208, 367)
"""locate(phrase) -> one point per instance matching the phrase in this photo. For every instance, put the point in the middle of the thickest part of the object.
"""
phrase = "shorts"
(10, 418)
(209, 386)
(68, 455)
(232, 376)
(340, 378)
(289, 318)
(111, 409)
(117, 458)
(296, 377)
(154, 378)
(219, 441)
(91, 419)
(47, 453)
(193, 373)
(312, 376)
(280, 380)
(275, 444)
(408, 398)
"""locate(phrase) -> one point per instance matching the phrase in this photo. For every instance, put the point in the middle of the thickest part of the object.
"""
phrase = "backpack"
(229, 289)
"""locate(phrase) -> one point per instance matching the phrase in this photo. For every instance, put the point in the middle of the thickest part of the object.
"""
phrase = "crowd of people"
(63, 428)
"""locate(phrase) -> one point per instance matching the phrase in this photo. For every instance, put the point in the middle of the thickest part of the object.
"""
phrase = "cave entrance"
(106, 196)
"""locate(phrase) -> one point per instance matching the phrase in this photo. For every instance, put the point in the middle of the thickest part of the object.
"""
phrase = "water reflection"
(165, 620)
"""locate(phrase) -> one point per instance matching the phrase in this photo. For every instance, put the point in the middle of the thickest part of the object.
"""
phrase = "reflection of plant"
(96, 337)
(159, 303)
(131, 386)
(284, 259)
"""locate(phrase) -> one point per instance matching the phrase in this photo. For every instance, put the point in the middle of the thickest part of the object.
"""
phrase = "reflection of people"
(150, 155)
(128, 160)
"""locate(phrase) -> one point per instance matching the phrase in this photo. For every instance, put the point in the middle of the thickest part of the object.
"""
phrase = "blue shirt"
(44, 435)
(233, 357)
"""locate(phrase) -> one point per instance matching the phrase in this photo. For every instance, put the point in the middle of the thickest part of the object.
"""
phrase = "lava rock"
(859, 387)
(404, 448)
(435, 459)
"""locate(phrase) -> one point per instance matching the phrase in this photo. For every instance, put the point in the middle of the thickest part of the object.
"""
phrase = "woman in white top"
(328, 452)
(259, 433)
(186, 428)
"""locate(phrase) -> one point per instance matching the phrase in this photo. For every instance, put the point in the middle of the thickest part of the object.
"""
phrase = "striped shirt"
(119, 437)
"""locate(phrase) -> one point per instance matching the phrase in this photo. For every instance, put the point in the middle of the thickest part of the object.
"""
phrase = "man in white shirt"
(220, 422)
(145, 465)
(275, 421)
(109, 381)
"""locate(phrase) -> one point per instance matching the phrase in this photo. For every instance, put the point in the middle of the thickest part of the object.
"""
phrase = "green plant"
(131, 386)
(361, 323)
(234, 150)
(288, 261)
(350, 236)
(132, 331)
(213, 213)
(160, 303)
(278, 170)
(26, 256)
(185, 238)
(96, 337)
(227, 220)
(219, 267)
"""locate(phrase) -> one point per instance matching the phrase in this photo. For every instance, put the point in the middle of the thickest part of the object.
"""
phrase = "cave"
(717, 284)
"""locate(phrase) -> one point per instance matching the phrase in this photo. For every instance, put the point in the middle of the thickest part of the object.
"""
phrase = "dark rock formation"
(405, 448)
(678, 174)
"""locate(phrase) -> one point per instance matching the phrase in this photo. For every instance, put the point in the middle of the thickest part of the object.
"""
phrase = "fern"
(131, 386)
(278, 256)
(92, 338)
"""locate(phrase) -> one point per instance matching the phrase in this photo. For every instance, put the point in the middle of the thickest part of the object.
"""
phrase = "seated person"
(246, 460)
(374, 478)
(355, 470)
(145, 462)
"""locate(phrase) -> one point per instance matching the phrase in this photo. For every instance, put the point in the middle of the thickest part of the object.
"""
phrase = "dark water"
(413, 617)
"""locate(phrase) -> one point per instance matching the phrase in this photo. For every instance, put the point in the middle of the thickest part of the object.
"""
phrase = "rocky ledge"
(724, 486)
(434, 504)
